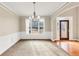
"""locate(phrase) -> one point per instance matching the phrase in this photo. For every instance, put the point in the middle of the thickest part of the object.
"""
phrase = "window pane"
(34, 26)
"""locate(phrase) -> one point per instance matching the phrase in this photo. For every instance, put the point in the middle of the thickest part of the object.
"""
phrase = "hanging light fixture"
(35, 17)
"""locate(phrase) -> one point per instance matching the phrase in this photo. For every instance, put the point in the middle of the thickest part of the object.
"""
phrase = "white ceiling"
(26, 8)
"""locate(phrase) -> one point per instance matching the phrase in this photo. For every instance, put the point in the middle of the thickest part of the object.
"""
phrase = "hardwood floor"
(35, 48)
(71, 47)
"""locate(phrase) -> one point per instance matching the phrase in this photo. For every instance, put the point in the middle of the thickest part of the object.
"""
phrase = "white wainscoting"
(7, 41)
(52, 36)
(45, 35)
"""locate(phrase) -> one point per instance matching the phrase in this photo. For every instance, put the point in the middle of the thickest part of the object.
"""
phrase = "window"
(35, 26)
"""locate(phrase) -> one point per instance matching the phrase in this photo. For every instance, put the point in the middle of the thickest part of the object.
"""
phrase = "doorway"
(64, 29)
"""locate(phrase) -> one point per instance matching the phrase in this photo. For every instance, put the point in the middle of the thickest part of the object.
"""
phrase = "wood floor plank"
(35, 48)
(70, 47)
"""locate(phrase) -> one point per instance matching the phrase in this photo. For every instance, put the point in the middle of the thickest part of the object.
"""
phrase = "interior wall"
(47, 23)
(9, 28)
(22, 23)
(77, 23)
(45, 35)
(71, 13)
(66, 12)
(9, 22)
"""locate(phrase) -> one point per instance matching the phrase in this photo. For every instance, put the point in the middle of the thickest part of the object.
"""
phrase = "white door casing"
(70, 27)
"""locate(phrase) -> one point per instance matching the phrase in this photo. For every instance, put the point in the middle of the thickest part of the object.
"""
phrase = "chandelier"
(34, 17)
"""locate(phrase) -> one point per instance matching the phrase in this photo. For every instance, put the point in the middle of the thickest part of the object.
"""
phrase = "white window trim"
(38, 26)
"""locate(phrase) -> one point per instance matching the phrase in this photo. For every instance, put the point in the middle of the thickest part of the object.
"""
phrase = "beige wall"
(77, 24)
(74, 12)
(9, 22)
(47, 23)
(22, 23)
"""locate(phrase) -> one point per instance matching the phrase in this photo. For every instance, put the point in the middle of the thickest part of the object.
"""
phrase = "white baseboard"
(7, 41)
(52, 40)
(45, 35)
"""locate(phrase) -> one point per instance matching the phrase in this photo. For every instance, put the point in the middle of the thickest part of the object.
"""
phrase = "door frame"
(70, 18)
(67, 30)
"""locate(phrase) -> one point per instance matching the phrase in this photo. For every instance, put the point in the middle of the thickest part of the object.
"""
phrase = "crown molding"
(2, 5)
(65, 8)
(58, 10)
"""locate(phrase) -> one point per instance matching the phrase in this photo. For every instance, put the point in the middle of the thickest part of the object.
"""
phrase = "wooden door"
(64, 29)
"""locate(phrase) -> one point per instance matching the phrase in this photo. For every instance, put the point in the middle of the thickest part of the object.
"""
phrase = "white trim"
(70, 26)
(7, 41)
(30, 20)
(59, 9)
(45, 35)
(68, 9)
(52, 36)
(2, 5)
(65, 7)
